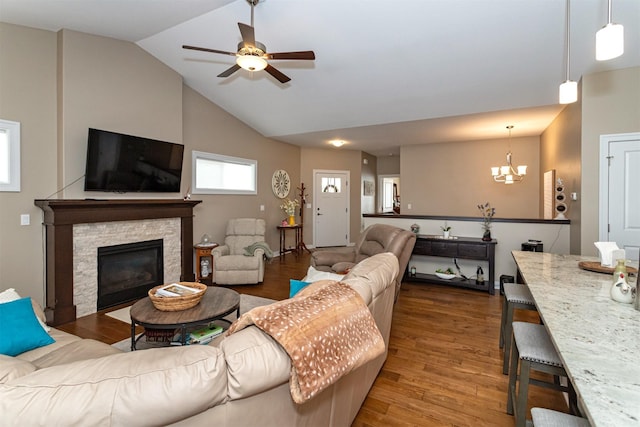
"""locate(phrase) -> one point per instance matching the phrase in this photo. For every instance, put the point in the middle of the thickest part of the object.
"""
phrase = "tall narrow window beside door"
(9, 155)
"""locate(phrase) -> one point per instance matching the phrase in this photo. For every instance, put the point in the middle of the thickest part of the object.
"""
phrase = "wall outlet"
(261, 208)
(25, 219)
(409, 206)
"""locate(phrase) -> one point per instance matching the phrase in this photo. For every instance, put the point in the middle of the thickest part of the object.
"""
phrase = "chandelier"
(507, 174)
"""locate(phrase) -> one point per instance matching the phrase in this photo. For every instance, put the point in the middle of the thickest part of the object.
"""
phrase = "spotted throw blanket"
(327, 331)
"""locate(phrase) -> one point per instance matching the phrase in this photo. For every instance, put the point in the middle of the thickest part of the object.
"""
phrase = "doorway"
(389, 193)
(619, 201)
(331, 208)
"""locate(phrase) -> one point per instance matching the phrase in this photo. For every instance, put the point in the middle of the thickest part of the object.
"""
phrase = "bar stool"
(548, 418)
(533, 349)
(516, 296)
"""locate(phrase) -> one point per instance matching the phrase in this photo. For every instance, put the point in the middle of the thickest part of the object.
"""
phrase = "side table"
(204, 263)
(298, 236)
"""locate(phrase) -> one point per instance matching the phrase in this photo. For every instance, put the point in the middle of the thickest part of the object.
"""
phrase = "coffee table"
(216, 304)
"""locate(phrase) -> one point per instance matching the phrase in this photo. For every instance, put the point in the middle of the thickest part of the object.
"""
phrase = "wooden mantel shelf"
(59, 217)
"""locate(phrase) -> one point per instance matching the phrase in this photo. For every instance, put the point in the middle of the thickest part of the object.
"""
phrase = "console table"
(460, 247)
(298, 236)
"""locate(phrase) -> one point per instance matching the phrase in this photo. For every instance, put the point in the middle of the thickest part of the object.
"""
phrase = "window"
(9, 156)
(218, 174)
(331, 185)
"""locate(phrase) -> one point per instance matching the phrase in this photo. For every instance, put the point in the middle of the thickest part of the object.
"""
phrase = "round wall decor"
(281, 183)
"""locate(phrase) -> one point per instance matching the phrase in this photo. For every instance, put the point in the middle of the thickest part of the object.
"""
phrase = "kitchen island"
(597, 338)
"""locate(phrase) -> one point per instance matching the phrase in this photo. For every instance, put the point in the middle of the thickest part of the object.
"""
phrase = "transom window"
(9, 155)
(218, 174)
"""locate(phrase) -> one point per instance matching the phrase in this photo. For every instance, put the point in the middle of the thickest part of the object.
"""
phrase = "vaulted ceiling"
(387, 72)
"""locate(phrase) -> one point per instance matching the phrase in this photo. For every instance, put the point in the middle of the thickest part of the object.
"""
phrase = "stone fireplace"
(76, 229)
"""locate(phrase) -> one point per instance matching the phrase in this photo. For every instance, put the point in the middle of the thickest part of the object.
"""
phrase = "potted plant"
(487, 214)
(289, 206)
(446, 230)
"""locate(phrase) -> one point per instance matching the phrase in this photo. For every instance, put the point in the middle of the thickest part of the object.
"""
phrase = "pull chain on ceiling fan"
(252, 55)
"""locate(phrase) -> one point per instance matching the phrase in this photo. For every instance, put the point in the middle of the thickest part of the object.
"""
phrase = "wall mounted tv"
(123, 163)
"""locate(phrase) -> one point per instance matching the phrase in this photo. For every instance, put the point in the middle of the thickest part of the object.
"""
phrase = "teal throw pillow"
(20, 330)
(296, 286)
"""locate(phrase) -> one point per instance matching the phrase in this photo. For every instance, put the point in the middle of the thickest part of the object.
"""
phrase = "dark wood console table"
(461, 247)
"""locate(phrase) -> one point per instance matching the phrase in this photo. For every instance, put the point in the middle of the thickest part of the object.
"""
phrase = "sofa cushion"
(255, 362)
(20, 330)
(62, 339)
(75, 351)
(370, 277)
(313, 275)
(295, 286)
(11, 368)
(149, 387)
(11, 295)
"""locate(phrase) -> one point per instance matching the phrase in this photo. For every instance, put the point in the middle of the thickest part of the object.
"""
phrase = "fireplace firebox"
(126, 272)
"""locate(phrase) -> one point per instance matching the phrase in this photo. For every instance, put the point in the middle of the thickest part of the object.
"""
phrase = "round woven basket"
(177, 303)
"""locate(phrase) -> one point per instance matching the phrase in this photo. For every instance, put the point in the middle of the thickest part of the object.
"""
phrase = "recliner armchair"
(377, 238)
(230, 264)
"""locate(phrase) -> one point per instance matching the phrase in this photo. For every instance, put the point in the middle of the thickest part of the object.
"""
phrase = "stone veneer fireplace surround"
(61, 217)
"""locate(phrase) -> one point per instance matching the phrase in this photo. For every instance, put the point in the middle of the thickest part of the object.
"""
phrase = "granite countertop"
(598, 338)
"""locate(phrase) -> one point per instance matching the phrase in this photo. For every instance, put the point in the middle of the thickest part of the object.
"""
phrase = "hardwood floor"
(444, 366)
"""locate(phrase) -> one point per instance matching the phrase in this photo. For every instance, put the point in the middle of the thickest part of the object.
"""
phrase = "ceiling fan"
(252, 55)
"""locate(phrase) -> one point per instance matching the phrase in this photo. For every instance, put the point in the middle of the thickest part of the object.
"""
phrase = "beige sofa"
(238, 380)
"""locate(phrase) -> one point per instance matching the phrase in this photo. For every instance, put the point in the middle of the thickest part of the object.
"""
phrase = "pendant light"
(609, 39)
(507, 174)
(569, 89)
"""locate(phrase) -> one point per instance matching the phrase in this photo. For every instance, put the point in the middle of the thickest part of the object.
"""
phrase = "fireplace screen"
(127, 272)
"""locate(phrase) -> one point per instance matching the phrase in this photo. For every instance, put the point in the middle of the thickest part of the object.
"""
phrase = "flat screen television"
(123, 163)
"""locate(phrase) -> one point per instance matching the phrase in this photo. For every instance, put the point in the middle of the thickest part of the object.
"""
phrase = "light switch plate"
(25, 219)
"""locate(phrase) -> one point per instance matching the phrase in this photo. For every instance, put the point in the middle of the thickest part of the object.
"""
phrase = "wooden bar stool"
(516, 296)
(548, 418)
(533, 350)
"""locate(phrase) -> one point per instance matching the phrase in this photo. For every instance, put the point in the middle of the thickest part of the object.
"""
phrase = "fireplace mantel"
(61, 215)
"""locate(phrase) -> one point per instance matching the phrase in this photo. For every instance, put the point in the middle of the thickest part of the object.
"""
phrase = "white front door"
(620, 204)
(331, 208)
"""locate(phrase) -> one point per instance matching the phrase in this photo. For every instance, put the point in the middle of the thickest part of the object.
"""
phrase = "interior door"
(331, 208)
(620, 192)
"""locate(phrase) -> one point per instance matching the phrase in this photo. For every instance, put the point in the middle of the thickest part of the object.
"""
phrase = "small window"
(331, 185)
(218, 174)
(9, 156)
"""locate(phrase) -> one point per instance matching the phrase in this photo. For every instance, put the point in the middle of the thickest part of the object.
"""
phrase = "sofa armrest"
(329, 258)
(179, 383)
(219, 251)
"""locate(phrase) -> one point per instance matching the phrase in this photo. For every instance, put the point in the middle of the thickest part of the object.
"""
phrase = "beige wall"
(28, 96)
(333, 159)
(388, 165)
(610, 105)
(112, 85)
(209, 128)
(560, 150)
(453, 178)
(59, 84)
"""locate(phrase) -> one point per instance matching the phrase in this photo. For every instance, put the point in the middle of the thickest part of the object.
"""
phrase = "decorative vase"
(292, 220)
(445, 234)
(486, 237)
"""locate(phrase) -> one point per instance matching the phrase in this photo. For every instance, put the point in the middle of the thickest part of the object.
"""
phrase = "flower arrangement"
(289, 206)
(487, 213)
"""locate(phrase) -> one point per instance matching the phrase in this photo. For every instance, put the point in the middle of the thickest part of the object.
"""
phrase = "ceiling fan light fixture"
(251, 62)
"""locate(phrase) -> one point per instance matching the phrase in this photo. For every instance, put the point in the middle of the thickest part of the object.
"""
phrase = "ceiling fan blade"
(277, 74)
(306, 54)
(248, 34)
(204, 49)
(229, 71)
